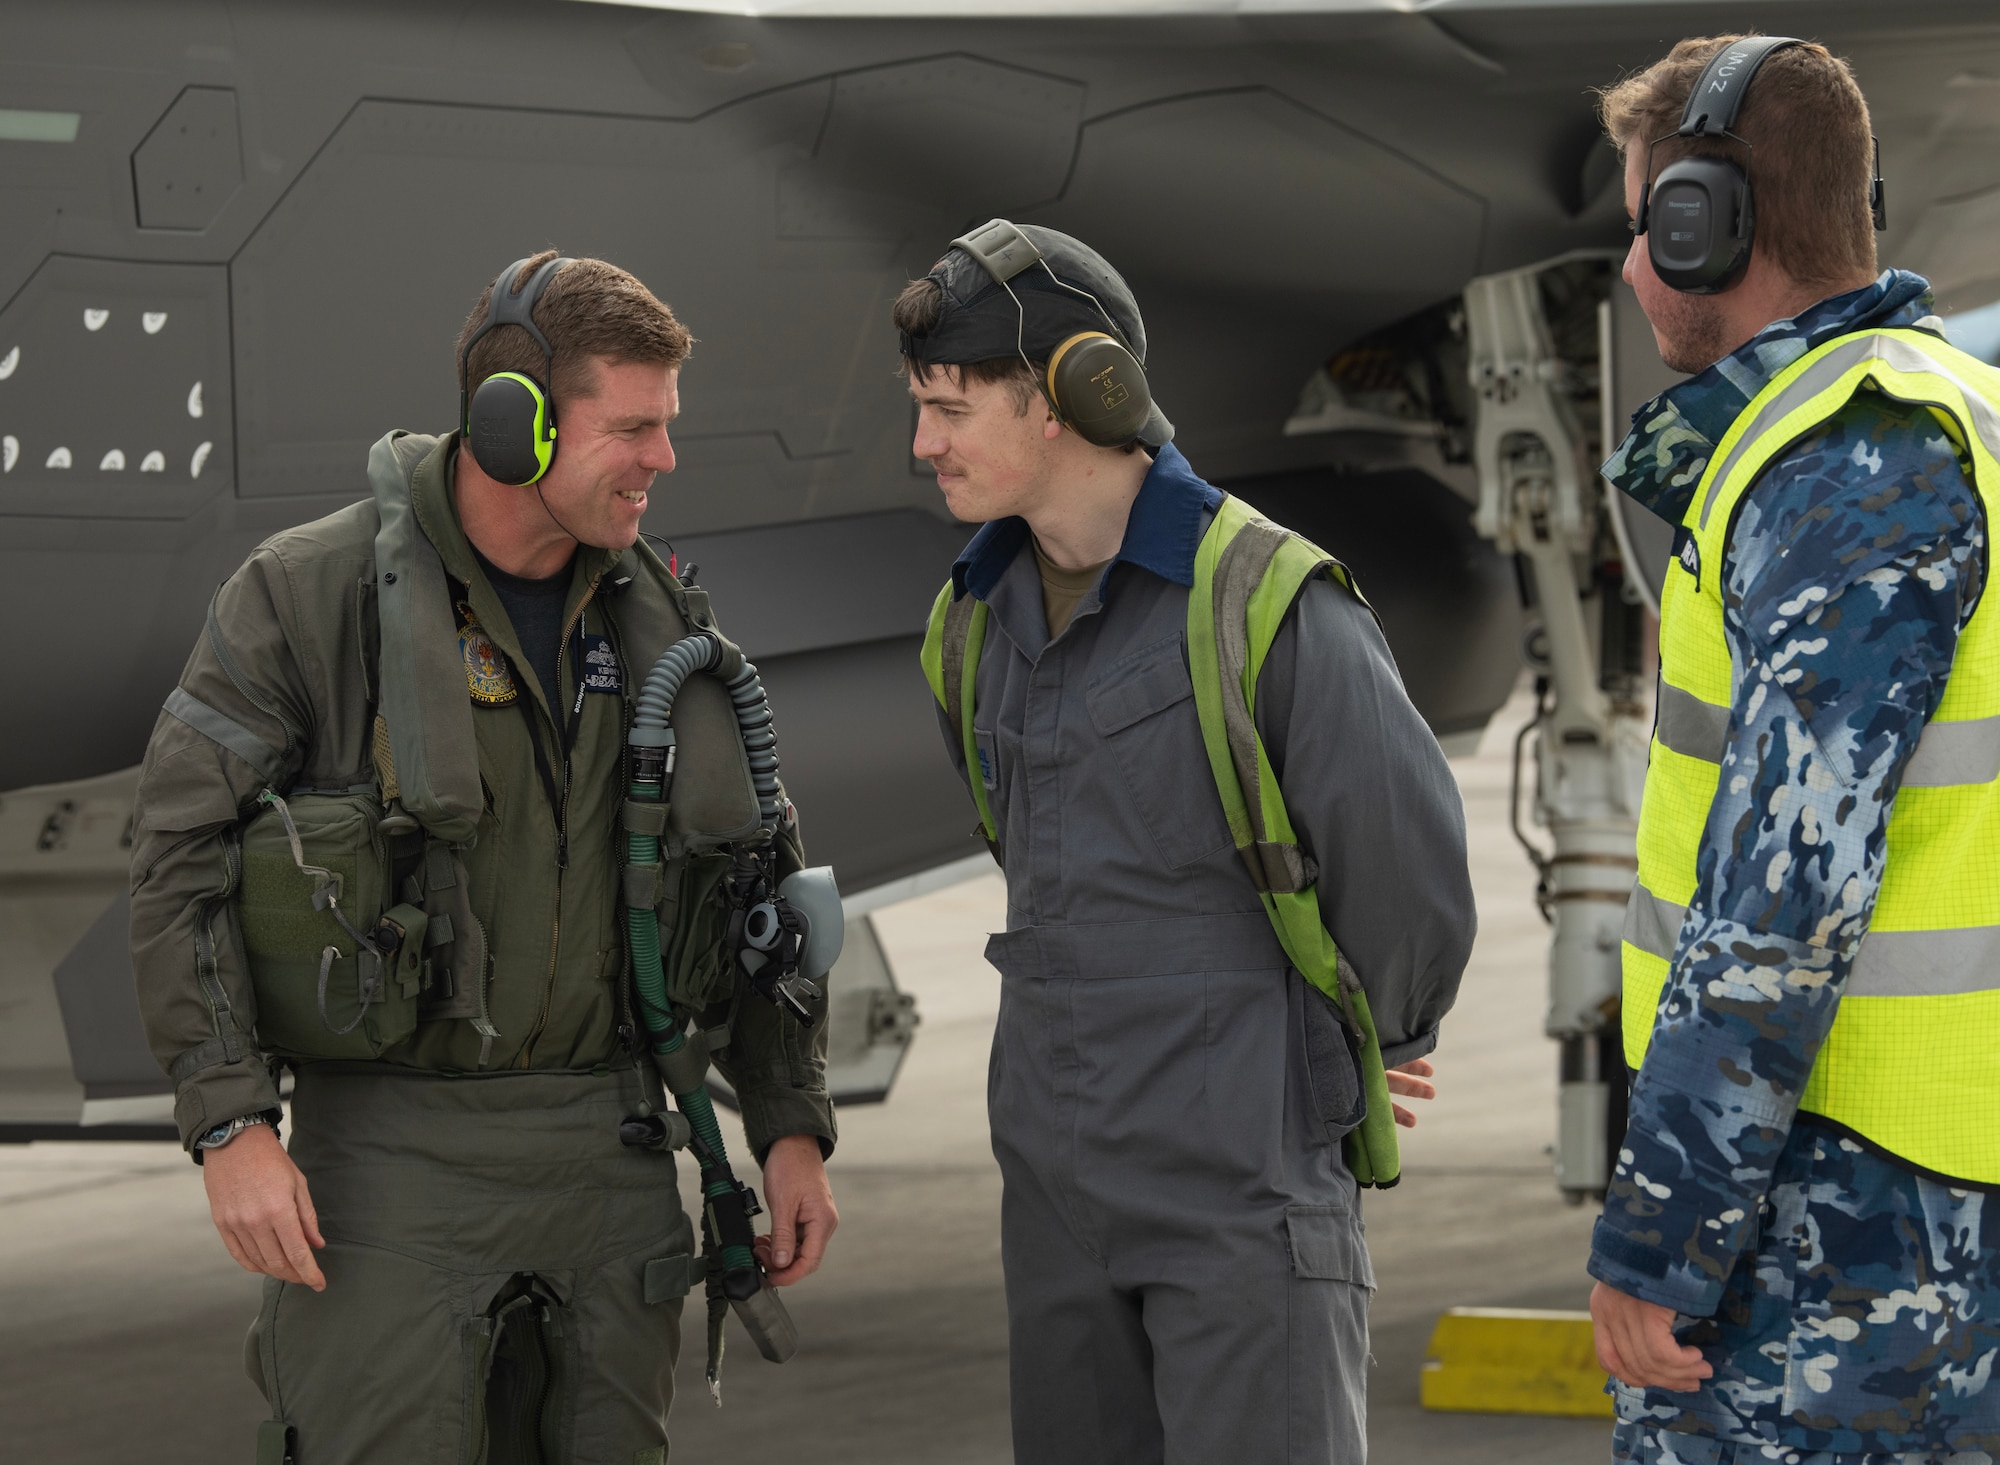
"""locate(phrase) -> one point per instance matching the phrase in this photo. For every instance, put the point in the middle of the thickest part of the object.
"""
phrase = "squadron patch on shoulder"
(488, 677)
(600, 666)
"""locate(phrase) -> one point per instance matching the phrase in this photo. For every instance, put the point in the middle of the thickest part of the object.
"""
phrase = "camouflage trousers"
(1863, 1324)
(1644, 1444)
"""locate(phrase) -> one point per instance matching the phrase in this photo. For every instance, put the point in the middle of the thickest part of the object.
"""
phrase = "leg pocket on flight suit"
(518, 1372)
(1331, 1280)
(1333, 1063)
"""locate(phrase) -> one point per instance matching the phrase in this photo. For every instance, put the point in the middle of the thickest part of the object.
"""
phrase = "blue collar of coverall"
(1162, 532)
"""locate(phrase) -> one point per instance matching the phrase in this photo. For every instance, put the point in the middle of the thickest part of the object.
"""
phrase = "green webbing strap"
(953, 643)
(1240, 599)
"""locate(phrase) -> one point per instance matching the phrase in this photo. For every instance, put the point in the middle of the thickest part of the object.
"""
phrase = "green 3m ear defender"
(510, 421)
(1094, 382)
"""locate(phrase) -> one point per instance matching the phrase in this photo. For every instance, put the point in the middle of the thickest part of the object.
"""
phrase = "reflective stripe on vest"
(1912, 1063)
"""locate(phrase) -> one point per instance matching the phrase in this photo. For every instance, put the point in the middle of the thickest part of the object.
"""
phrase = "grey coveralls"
(1187, 1279)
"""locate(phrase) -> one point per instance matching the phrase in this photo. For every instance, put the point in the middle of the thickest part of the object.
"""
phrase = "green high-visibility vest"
(1912, 1063)
(1247, 573)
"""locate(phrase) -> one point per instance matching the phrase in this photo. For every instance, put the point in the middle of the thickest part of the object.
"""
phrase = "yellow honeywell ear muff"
(1098, 389)
(510, 421)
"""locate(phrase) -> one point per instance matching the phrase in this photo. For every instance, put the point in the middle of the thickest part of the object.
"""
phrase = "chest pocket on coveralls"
(1143, 708)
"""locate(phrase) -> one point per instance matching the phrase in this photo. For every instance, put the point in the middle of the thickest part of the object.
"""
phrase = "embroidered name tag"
(600, 666)
(487, 675)
(1687, 554)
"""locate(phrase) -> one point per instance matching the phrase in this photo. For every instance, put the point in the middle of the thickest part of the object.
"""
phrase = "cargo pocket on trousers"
(1328, 1329)
(1333, 1064)
(1326, 1244)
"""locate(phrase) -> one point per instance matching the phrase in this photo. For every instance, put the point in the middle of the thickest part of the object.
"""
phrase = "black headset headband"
(1718, 95)
(511, 307)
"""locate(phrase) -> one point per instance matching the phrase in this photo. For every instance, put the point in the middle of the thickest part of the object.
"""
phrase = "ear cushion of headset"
(503, 421)
(1100, 389)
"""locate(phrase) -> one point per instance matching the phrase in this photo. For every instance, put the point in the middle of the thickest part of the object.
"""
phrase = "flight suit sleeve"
(776, 1064)
(1375, 804)
(236, 723)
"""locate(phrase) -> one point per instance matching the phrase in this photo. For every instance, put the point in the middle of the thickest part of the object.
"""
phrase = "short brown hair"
(589, 309)
(916, 313)
(1811, 156)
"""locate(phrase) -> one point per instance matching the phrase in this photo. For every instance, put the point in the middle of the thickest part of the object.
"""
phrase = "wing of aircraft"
(236, 241)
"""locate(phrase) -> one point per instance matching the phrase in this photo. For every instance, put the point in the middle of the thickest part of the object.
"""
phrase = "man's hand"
(801, 1205)
(259, 1203)
(1635, 1343)
(1412, 1081)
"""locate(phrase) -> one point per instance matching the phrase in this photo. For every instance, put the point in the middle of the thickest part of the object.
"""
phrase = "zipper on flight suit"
(559, 807)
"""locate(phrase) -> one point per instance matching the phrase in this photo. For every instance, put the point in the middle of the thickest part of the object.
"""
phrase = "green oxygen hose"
(718, 1181)
(728, 1205)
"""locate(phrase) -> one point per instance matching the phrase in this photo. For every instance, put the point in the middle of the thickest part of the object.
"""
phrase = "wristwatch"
(222, 1134)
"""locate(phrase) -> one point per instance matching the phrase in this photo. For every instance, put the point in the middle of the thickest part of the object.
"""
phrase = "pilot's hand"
(1412, 1081)
(258, 1200)
(801, 1205)
(1636, 1344)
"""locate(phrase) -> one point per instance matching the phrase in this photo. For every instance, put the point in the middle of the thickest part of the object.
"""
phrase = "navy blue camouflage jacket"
(1845, 1303)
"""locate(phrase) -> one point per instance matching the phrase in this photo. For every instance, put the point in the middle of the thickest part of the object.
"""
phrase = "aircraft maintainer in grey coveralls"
(426, 912)
(1186, 1273)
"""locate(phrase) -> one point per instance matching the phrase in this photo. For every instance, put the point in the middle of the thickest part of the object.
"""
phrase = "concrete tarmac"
(122, 1318)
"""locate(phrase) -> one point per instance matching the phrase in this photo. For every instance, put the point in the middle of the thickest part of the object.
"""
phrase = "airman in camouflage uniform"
(1849, 1308)
(1828, 1303)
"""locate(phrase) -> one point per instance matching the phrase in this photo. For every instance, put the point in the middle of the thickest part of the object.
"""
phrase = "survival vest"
(354, 903)
(1247, 573)
(1912, 1064)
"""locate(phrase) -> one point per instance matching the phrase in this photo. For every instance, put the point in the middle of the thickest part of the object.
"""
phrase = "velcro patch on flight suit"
(669, 1277)
(488, 677)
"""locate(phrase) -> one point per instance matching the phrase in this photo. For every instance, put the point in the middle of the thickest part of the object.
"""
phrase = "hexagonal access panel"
(191, 163)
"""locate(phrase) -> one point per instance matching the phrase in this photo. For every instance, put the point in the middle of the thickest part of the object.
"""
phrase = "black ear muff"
(508, 429)
(1697, 214)
(1098, 389)
(509, 422)
(1700, 225)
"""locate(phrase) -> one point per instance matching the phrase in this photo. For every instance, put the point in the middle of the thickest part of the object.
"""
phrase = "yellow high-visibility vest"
(1912, 1064)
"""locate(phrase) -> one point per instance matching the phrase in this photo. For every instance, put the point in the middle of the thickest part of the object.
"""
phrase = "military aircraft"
(1376, 242)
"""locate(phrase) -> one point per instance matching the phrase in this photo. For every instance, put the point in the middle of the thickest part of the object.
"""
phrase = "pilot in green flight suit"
(464, 1262)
